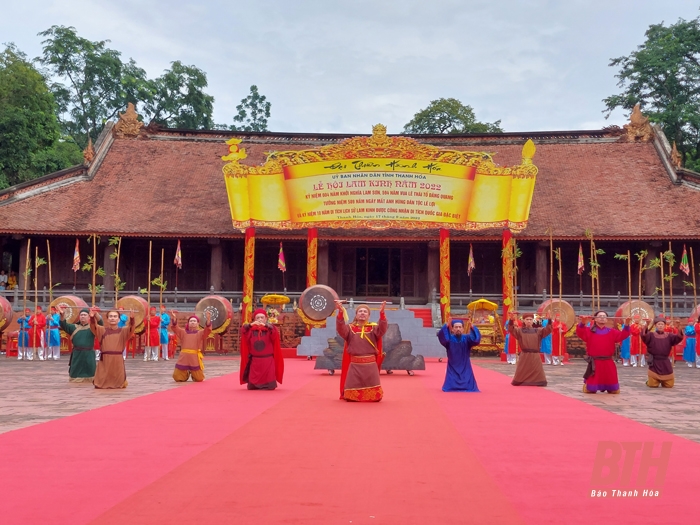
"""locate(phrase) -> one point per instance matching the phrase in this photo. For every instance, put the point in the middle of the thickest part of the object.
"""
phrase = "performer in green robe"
(81, 366)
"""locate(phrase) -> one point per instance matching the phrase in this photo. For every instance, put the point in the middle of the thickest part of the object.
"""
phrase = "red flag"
(580, 259)
(280, 261)
(685, 267)
(76, 256)
(178, 256)
(470, 264)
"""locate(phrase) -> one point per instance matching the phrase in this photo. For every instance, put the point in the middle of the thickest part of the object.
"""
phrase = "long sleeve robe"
(601, 374)
(362, 359)
(190, 361)
(81, 365)
(529, 370)
(659, 347)
(111, 369)
(262, 363)
(459, 376)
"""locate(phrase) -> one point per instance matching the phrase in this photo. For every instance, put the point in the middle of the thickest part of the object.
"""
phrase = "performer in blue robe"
(163, 332)
(53, 321)
(625, 348)
(23, 349)
(459, 376)
(689, 350)
(546, 345)
(123, 321)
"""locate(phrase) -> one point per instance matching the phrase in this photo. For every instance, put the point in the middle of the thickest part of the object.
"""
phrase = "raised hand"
(339, 306)
(381, 308)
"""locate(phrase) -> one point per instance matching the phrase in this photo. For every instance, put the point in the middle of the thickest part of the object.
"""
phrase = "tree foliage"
(663, 76)
(253, 112)
(29, 130)
(449, 115)
(95, 84)
(178, 99)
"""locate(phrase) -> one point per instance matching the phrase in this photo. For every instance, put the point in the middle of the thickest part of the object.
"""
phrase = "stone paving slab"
(33, 392)
(675, 410)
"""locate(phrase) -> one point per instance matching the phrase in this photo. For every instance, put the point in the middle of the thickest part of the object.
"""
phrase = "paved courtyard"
(38, 391)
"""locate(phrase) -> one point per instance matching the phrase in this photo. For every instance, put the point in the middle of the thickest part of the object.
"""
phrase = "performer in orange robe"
(362, 354)
(36, 333)
(559, 329)
(262, 363)
(190, 362)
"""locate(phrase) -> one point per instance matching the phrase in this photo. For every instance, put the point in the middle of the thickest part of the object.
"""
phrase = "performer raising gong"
(362, 354)
(262, 363)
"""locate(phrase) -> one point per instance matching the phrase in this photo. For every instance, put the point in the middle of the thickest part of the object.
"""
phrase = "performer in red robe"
(36, 333)
(697, 344)
(362, 354)
(673, 327)
(151, 336)
(559, 329)
(601, 374)
(637, 346)
(262, 363)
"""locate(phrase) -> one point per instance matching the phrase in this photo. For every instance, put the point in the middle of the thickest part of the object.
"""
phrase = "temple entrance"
(379, 272)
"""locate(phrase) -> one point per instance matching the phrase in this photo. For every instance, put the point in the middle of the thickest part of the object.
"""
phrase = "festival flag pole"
(470, 266)
(695, 290)
(162, 260)
(561, 353)
(581, 267)
(76, 262)
(117, 279)
(551, 266)
(629, 279)
(663, 291)
(27, 270)
(48, 257)
(177, 261)
(36, 271)
(282, 266)
(148, 299)
(94, 266)
(670, 260)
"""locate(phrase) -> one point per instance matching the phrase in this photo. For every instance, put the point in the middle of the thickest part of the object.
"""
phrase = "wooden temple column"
(323, 262)
(542, 267)
(433, 268)
(216, 264)
(248, 275)
(22, 264)
(312, 257)
(445, 274)
(109, 265)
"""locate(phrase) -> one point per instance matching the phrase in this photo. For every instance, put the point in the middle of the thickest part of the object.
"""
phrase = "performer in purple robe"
(459, 376)
(659, 345)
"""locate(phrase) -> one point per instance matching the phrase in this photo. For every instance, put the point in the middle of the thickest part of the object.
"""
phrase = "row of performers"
(632, 349)
(39, 334)
(262, 366)
(657, 343)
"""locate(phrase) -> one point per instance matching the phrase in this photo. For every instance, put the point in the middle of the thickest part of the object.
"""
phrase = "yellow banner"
(413, 188)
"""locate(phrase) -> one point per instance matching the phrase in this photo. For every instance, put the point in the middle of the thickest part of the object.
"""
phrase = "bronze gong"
(318, 302)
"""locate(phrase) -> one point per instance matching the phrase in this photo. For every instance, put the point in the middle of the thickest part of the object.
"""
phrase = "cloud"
(343, 66)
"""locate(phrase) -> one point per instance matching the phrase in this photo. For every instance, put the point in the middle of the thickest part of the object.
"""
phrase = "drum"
(5, 313)
(317, 302)
(552, 307)
(221, 311)
(72, 305)
(632, 308)
(140, 307)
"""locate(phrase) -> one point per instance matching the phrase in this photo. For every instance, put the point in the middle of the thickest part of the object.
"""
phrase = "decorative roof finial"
(129, 125)
(676, 158)
(639, 129)
(88, 153)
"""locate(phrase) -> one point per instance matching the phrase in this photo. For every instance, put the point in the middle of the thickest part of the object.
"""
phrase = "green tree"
(97, 83)
(449, 115)
(663, 76)
(178, 99)
(28, 124)
(253, 112)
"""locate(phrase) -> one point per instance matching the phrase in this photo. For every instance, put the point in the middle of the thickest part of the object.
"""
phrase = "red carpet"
(216, 453)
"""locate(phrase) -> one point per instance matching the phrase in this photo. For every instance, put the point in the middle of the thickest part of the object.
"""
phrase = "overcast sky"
(342, 66)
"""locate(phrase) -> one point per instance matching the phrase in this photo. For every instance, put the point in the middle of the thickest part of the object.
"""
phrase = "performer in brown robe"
(190, 362)
(111, 370)
(529, 371)
(362, 355)
(659, 345)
